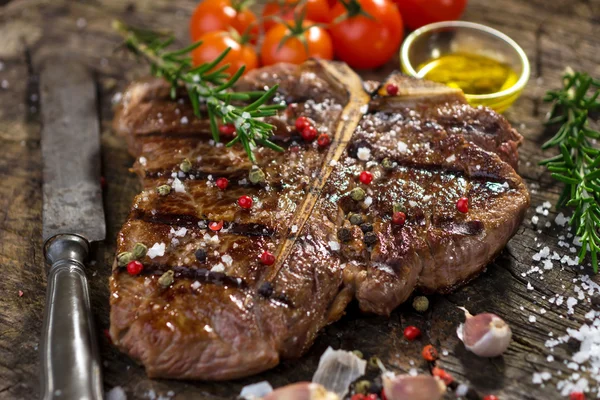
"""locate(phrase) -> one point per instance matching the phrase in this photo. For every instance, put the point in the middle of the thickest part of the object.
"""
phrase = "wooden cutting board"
(553, 34)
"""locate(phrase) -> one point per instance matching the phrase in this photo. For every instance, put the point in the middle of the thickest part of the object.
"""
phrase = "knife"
(73, 217)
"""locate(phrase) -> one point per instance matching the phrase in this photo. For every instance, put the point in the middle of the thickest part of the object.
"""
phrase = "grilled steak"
(226, 314)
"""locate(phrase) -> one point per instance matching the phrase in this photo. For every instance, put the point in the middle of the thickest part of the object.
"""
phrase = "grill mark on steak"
(191, 222)
(220, 332)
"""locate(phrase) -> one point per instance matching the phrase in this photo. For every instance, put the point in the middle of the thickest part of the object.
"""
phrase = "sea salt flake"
(363, 153)
(157, 250)
(178, 186)
(218, 268)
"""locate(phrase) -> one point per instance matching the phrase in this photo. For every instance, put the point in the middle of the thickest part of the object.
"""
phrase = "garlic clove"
(486, 335)
(407, 387)
(301, 391)
(337, 369)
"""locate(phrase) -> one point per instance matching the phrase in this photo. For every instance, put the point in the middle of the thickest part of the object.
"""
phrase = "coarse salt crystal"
(195, 285)
(368, 201)
(402, 147)
(532, 318)
(179, 232)
(363, 153)
(227, 259)
(157, 250)
(178, 186)
(450, 159)
(142, 161)
(294, 228)
(333, 245)
(218, 268)
(184, 120)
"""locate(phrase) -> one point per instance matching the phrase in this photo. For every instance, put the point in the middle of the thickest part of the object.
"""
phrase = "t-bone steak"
(226, 314)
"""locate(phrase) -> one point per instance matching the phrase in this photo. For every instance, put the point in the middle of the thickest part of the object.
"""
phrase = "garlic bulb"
(486, 335)
(301, 391)
(407, 387)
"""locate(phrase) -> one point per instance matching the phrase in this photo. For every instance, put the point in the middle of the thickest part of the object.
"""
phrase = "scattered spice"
(222, 183)
(167, 279)
(420, 303)
(366, 177)
(139, 251)
(411, 333)
(358, 353)
(301, 123)
(215, 226)
(374, 362)
(256, 175)
(443, 375)
(357, 194)
(185, 165)
(227, 129)
(344, 234)
(265, 289)
(370, 238)
(134, 267)
(356, 219)
(267, 258)
(362, 386)
(462, 205)
(490, 397)
(20, 293)
(391, 89)
(102, 182)
(323, 140)
(366, 227)
(124, 258)
(200, 255)
(429, 353)
(387, 163)
(309, 133)
(163, 190)
(245, 202)
(577, 396)
(362, 396)
(399, 218)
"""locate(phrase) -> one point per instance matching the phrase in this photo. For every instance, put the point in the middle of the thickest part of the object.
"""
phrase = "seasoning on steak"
(227, 314)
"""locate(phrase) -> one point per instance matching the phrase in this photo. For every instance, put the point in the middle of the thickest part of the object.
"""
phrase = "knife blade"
(73, 216)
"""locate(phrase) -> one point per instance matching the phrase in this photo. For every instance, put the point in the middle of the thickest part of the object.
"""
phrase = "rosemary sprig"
(207, 85)
(578, 163)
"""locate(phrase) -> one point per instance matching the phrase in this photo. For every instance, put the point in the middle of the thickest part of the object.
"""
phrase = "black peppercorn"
(344, 234)
(370, 238)
(596, 301)
(265, 289)
(366, 227)
(200, 255)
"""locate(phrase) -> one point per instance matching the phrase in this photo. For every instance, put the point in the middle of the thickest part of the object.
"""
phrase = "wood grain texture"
(554, 34)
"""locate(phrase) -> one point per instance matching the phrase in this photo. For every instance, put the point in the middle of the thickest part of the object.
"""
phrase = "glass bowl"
(435, 40)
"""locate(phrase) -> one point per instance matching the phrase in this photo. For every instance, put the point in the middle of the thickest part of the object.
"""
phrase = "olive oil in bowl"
(473, 73)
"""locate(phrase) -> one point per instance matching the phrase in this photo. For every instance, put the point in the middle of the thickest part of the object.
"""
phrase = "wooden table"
(554, 34)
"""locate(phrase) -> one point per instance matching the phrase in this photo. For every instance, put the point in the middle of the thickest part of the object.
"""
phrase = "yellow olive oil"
(473, 73)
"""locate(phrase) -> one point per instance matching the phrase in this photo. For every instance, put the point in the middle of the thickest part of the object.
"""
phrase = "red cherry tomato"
(214, 43)
(417, 13)
(316, 11)
(365, 42)
(293, 51)
(220, 15)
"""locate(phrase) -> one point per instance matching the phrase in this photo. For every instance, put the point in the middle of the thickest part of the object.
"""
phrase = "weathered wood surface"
(553, 33)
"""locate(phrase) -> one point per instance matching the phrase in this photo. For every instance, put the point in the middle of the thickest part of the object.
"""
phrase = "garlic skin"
(407, 387)
(301, 391)
(486, 335)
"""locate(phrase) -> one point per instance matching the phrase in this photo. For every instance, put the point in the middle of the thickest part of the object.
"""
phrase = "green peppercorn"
(370, 238)
(420, 303)
(362, 386)
(366, 227)
(124, 258)
(256, 175)
(185, 165)
(388, 164)
(163, 190)
(357, 194)
(356, 219)
(399, 208)
(139, 251)
(344, 234)
(374, 362)
(358, 353)
(166, 279)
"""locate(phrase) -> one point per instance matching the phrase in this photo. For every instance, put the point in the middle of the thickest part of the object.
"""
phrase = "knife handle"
(70, 361)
